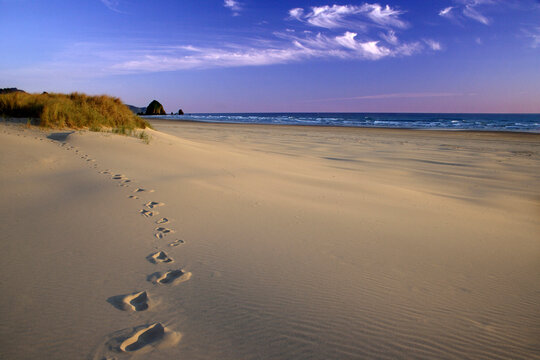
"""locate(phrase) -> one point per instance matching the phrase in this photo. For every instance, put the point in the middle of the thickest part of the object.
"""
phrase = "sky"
(279, 56)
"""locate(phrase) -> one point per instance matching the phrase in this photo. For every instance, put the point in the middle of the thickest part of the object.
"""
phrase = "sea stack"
(155, 108)
(180, 112)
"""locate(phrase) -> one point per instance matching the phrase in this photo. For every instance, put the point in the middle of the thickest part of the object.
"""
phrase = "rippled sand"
(263, 242)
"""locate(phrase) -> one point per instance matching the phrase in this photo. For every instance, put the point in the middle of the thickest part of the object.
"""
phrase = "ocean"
(483, 122)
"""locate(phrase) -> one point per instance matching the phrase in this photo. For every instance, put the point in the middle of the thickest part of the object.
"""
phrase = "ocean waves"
(484, 122)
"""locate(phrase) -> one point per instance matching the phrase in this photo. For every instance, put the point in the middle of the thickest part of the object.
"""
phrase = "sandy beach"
(220, 241)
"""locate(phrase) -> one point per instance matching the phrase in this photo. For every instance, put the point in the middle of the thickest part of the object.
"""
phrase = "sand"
(264, 242)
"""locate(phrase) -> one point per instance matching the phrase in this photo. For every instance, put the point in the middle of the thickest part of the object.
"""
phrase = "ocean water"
(485, 122)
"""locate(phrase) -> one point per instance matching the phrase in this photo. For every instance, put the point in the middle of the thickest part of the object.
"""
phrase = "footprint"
(118, 177)
(104, 172)
(162, 221)
(134, 302)
(177, 242)
(147, 336)
(133, 197)
(159, 257)
(141, 190)
(138, 340)
(153, 204)
(162, 231)
(126, 181)
(170, 277)
(147, 213)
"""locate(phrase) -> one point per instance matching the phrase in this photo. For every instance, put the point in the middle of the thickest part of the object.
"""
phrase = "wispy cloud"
(471, 12)
(112, 5)
(234, 6)
(293, 46)
(390, 37)
(433, 45)
(446, 11)
(213, 57)
(287, 46)
(384, 16)
(349, 16)
(395, 96)
(344, 46)
(534, 34)
(469, 9)
(368, 49)
(296, 13)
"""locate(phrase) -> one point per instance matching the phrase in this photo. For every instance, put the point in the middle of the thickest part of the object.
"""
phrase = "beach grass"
(75, 110)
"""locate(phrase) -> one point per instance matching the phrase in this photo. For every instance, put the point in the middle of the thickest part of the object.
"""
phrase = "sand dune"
(298, 243)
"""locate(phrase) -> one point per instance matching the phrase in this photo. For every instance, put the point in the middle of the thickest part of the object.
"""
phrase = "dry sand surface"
(264, 242)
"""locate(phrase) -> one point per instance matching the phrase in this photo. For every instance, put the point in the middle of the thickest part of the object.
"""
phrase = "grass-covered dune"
(75, 110)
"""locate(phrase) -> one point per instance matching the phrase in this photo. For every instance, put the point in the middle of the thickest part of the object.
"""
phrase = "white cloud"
(384, 16)
(469, 9)
(349, 16)
(390, 37)
(446, 11)
(368, 49)
(433, 45)
(233, 5)
(214, 57)
(285, 47)
(347, 40)
(471, 12)
(330, 16)
(373, 51)
(409, 49)
(296, 13)
(291, 48)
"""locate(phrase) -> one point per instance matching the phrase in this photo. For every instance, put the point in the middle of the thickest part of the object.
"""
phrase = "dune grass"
(131, 132)
(75, 110)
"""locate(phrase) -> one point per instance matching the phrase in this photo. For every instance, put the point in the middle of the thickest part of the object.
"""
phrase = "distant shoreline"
(158, 119)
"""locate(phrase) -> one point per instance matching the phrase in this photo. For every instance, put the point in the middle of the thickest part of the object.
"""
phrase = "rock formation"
(155, 108)
(180, 112)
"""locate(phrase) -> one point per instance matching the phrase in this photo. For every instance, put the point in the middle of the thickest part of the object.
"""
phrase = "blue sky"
(257, 56)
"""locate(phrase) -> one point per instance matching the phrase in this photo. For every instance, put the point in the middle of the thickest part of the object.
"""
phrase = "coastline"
(343, 128)
(303, 242)
(421, 121)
